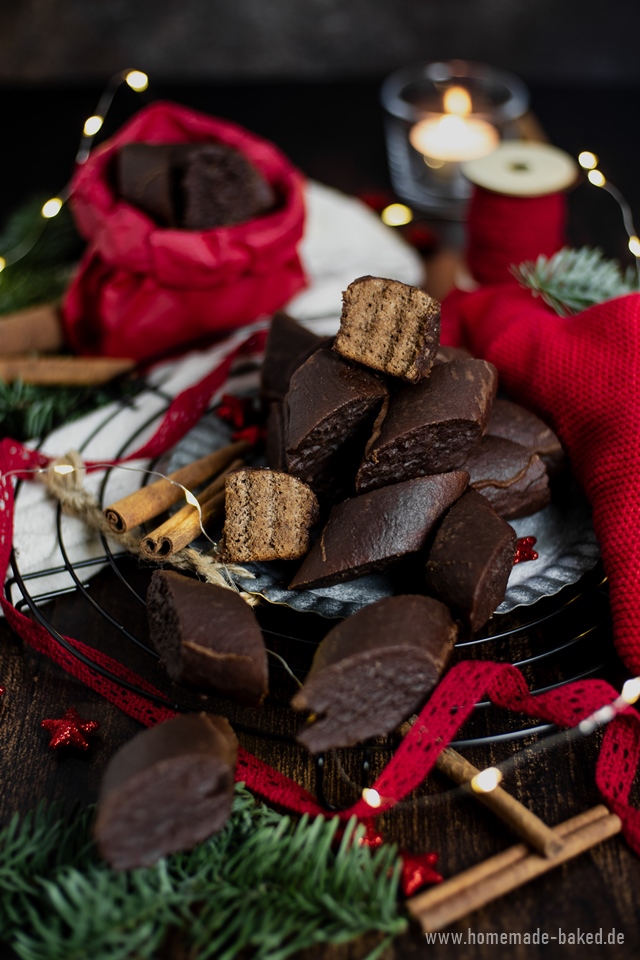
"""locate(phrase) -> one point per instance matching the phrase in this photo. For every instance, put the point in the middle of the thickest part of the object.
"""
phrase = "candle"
(454, 136)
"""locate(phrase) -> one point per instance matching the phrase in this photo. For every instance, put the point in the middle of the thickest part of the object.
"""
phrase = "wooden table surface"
(334, 133)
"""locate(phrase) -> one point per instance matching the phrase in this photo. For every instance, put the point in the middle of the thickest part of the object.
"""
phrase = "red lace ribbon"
(450, 705)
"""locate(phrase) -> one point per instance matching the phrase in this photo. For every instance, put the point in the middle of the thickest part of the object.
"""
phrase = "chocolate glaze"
(369, 532)
(471, 558)
(447, 354)
(328, 402)
(513, 422)
(512, 478)
(288, 345)
(167, 789)
(274, 443)
(374, 669)
(430, 427)
(207, 636)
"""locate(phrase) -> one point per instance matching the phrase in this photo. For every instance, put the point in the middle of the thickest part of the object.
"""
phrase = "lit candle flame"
(457, 101)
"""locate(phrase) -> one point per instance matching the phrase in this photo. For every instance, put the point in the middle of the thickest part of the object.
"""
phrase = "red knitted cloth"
(581, 374)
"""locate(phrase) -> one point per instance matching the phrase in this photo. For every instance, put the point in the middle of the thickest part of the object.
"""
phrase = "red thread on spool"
(503, 230)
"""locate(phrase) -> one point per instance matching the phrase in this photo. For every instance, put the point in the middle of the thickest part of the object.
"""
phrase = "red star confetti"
(70, 730)
(524, 550)
(417, 870)
(233, 410)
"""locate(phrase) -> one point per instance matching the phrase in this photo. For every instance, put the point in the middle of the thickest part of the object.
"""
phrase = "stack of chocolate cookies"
(395, 451)
(403, 445)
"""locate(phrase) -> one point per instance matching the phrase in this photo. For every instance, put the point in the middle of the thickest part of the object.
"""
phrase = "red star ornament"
(417, 870)
(70, 730)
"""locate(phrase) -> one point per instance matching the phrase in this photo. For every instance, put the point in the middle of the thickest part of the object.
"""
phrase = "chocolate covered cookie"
(329, 403)
(369, 532)
(513, 422)
(148, 177)
(374, 669)
(431, 427)
(207, 636)
(288, 345)
(221, 187)
(167, 789)
(513, 479)
(389, 326)
(471, 558)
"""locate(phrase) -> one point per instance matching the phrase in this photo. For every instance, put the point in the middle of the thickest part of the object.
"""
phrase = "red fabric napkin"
(580, 374)
(142, 290)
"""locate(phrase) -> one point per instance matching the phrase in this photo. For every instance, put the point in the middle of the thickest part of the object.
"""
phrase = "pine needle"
(265, 885)
(573, 280)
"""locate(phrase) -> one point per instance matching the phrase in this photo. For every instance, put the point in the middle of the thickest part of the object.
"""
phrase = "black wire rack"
(555, 641)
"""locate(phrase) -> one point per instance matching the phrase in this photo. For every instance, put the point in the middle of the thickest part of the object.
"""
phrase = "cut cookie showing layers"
(268, 516)
(330, 403)
(368, 533)
(471, 559)
(389, 326)
(375, 669)
(207, 636)
(513, 479)
(431, 427)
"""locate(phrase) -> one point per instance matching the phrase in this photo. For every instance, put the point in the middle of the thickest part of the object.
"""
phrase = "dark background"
(542, 40)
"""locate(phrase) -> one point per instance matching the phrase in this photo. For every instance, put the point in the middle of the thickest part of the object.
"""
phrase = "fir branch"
(37, 846)
(572, 280)
(264, 884)
(28, 411)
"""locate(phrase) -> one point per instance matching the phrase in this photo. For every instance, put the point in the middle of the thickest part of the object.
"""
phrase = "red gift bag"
(143, 290)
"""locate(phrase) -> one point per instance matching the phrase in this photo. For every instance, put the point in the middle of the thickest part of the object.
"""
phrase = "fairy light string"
(589, 162)
(136, 80)
(488, 779)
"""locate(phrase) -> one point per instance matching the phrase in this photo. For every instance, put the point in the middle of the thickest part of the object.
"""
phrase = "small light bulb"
(596, 178)
(634, 246)
(631, 690)
(587, 160)
(396, 214)
(191, 499)
(604, 714)
(92, 125)
(486, 781)
(137, 80)
(3, 264)
(63, 468)
(372, 797)
(51, 208)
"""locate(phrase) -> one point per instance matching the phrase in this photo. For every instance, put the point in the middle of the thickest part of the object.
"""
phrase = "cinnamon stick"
(63, 371)
(185, 525)
(37, 329)
(154, 499)
(511, 811)
(181, 529)
(474, 888)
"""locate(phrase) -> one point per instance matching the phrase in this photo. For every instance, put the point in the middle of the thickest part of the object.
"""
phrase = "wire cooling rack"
(555, 641)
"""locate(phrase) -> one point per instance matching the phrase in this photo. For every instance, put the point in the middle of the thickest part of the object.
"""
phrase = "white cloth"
(343, 240)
